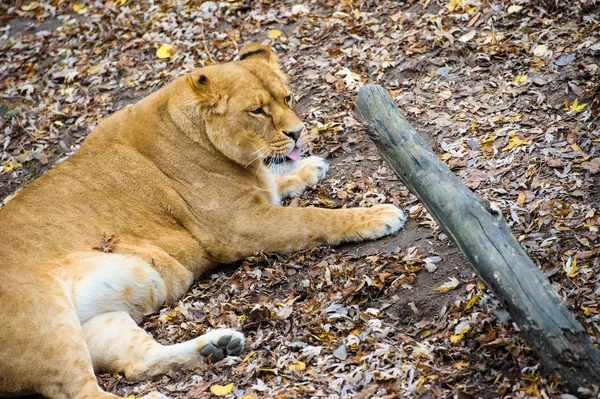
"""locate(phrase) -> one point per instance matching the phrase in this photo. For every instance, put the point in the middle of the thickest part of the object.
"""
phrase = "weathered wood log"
(482, 234)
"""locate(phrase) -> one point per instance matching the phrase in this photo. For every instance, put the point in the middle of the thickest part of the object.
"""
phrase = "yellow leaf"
(586, 311)
(448, 286)
(356, 13)
(221, 390)
(131, 397)
(320, 128)
(95, 69)
(297, 366)
(426, 333)
(520, 79)
(166, 51)
(79, 9)
(164, 318)
(461, 365)
(541, 50)
(274, 34)
(575, 107)
(248, 356)
(326, 336)
(514, 8)
(119, 3)
(249, 396)
(571, 267)
(30, 6)
(473, 302)
(514, 141)
(458, 337)
(454, 5)
(10, 165)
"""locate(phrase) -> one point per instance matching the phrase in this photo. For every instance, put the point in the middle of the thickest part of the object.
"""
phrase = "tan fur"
(180, 179)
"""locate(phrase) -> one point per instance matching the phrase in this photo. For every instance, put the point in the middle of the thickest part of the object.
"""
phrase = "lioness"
(182, 178)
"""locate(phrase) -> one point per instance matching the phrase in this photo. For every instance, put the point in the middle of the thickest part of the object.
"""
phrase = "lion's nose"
(294, 134)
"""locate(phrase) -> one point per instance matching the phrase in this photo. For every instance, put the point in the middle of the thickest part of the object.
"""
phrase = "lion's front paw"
(220, 343)
(312, 169)
(379, 221)
(309, 172)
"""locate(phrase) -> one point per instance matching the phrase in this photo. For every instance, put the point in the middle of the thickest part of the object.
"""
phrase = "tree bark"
(482, 234)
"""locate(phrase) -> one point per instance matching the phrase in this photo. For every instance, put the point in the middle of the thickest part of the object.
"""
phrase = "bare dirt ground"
(506, 92)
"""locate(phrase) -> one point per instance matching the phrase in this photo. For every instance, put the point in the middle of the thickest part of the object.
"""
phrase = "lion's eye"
(288, 99)
(258, 111)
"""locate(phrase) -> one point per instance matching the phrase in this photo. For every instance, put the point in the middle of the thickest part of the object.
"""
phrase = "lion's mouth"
(293, 156)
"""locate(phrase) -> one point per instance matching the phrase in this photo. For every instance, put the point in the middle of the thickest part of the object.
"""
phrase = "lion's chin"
(281, 166)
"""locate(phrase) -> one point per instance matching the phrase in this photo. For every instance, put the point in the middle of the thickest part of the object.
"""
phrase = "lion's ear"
(210, 97)
(255, 51)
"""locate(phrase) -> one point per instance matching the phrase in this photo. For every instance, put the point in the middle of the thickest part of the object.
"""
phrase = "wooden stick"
(482, 234)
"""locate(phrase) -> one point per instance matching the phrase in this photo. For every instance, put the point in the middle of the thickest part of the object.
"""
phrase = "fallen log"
(482, 234)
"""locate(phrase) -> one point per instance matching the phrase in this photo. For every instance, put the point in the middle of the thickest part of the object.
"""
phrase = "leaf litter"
(507, 93)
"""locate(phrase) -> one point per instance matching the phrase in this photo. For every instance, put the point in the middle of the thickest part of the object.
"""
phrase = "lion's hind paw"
(220, 343)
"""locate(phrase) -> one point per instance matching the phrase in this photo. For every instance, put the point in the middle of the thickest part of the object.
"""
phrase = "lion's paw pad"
(222, 343)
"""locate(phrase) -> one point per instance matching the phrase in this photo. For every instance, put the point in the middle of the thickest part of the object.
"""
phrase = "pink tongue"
(294, 155)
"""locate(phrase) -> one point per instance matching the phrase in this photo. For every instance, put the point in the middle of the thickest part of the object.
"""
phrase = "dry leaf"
(541, 50)
(458, 337)
(467, 36)
(221, 390)
(30, 6)
(79, 9)
(571, 267)
(514, 8)
(454, 5)
(461, 365)
(515, 141)
(297, 366)
(473, 302)
(300, 9)
(10, 165)
(166, 51)
(521, 198)
(448, 286)
(350, 78)
(575, 107)
(520, 79)
(95, 69)
(274, 34)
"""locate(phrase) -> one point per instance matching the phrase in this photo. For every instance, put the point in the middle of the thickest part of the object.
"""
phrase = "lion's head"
(245, 107)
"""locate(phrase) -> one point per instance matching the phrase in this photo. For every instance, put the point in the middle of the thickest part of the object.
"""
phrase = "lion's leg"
(286, 229)
(43, 349)
(309, 172)
(116, 343)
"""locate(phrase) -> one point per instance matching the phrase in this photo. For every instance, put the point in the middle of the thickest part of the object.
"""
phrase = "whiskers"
(260, 153)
